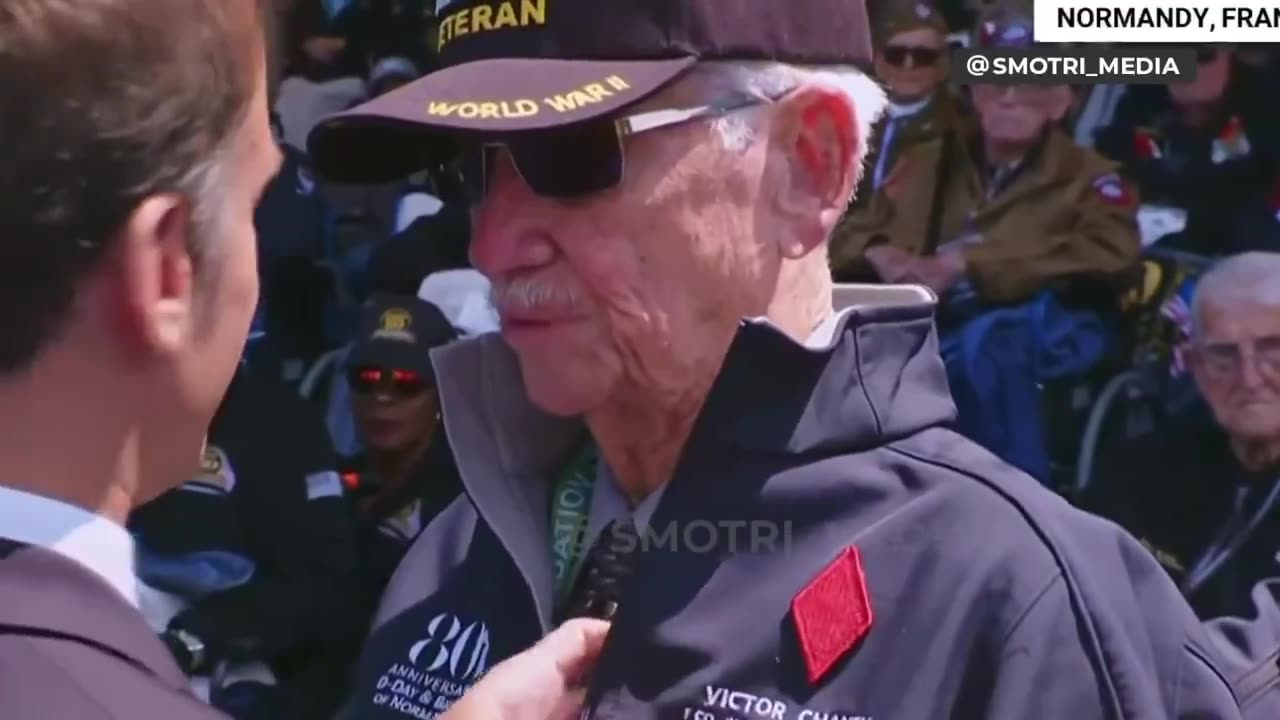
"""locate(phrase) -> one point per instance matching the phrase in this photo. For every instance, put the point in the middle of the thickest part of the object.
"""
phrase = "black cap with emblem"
(398, 333)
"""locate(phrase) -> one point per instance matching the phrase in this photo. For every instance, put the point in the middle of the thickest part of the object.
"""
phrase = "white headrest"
(463, 296)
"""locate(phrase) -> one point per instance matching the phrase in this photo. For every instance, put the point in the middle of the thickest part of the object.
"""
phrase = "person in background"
(249, 559)
(390, 73)
(430, 244)
(399, 29)
(406, 474)
(911, 61)
(1205, 496)
(1023, 235)
(345, 38)
(1210, 148)
(296, 290)
(320, 43)
(327, 60)
(1001, 215)
(127, 285)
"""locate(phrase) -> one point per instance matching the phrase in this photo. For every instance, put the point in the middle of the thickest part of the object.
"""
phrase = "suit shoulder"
(53, 679)
(36, 687)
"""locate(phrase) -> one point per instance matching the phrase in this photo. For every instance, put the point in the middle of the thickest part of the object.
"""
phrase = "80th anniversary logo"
(1045, 65)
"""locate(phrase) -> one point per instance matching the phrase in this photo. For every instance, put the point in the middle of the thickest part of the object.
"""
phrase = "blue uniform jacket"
(986, 595)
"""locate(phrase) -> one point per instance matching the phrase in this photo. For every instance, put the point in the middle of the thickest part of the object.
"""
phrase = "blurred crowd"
(1107, 259)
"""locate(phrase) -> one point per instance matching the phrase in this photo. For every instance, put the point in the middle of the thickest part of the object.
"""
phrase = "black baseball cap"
(398, 333)
(509, 66)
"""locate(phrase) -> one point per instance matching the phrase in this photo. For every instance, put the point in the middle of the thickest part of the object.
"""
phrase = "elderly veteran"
(684, 428)
(1001, 214)
(1204, 494)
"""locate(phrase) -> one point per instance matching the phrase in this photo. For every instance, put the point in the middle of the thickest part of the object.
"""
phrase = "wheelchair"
(1134, 394)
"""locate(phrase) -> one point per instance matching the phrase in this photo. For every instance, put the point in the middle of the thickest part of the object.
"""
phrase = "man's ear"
(817, 130)
(156, 274)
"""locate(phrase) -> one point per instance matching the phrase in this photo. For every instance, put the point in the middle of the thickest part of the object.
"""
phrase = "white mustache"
(529, 293)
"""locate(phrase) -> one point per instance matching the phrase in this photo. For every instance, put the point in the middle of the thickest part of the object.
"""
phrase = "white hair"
(206, 186)
(1249, 278)
(773, 80)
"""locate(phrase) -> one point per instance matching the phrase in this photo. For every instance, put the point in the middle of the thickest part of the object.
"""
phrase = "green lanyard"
(570, 508)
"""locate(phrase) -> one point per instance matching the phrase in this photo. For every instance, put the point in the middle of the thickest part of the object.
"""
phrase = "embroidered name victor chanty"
(747, 705)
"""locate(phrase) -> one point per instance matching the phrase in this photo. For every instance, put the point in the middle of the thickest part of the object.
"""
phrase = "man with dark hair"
(136, 147)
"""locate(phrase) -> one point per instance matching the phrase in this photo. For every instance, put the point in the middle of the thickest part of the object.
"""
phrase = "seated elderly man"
(1205, 500)
(1001, 216)
(675, 428)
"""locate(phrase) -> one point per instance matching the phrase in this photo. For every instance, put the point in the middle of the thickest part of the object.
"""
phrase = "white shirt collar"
(901, 110)
(825, 333)
(93, 541)
(609, 503)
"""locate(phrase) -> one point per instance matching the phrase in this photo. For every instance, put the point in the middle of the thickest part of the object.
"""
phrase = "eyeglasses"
(1227, 360)
(899, 55)
(576, 161)
(374, 380)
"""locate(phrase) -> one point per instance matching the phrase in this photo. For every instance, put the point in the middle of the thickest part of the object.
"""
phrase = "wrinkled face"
(626, 288)
(1019, 113)
(912, 64)
(1236, 361)
(1213, 72)
(393, 420)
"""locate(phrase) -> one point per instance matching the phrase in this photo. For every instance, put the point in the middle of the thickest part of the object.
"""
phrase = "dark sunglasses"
(898, 55)
(374, 380)
(582, 160)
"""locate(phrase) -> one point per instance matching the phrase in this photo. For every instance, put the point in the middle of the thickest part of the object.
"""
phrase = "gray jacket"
(1250, 649)
(986, 596)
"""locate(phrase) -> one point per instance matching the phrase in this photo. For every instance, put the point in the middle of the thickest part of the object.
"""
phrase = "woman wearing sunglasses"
(406, 474)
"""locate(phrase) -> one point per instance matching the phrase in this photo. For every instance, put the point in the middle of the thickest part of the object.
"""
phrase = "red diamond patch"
(832, 613)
